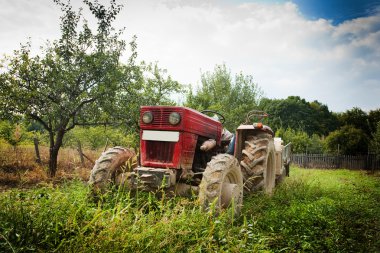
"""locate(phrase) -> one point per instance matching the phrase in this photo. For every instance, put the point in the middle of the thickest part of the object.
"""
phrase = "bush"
(301, 141)
(96, 137)
(348, 140)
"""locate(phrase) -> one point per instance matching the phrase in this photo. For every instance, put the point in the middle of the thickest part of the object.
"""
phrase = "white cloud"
(286, 53)
(19, 20)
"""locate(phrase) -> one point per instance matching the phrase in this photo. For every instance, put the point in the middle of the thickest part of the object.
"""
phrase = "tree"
(374, 119)
(153, 86)
(234, 96)
(375, 142)
(158, 85)
(13, 134)
(78, 79)
(357, 118)
(349, 140)
(298, 114)
(301, 141)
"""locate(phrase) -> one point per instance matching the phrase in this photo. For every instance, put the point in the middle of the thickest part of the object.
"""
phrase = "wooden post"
(37, 150)
(105, 146)
(88, 158)
(80, 153)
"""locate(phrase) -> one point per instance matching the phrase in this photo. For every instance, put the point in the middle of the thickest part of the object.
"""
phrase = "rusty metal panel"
(188, 150)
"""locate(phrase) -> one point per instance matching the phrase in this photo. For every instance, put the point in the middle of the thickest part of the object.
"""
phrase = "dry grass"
(18, 166)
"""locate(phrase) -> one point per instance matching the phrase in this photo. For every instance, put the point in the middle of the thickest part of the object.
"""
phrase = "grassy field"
(313, 210)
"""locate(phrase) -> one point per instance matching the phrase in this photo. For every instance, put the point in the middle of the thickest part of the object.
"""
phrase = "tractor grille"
(161, 118)
(160, 151)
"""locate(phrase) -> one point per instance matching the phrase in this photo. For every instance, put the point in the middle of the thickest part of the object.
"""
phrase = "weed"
(314, 210)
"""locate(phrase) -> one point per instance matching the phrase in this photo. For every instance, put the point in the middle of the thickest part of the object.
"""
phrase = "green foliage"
(96, 137)
(14, 134)
(296, 113)
(76, 80)
(301, 141)
(357, 118)
(233, 97)
(154, 86)
(349, 140)
(374, 119)
(313, 210)
(158, 86)
(375, 142)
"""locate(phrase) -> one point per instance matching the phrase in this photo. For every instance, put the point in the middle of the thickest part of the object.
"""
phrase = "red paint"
(264, 128)
(176, 154)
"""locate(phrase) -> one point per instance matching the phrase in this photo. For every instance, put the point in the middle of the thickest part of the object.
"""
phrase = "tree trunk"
(55, 145)
(53, 162)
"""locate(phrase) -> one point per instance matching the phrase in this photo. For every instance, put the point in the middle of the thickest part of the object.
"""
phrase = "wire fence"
(325, 161)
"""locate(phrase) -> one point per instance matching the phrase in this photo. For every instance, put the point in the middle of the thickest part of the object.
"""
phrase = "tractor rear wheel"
(258, 163)
(110, 168)
(222, 184)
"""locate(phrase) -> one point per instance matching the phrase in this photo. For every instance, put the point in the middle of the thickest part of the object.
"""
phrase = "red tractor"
(183, 151)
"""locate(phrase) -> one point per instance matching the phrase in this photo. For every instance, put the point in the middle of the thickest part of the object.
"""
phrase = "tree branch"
(35, 117)
(99, 124)
(83, 103)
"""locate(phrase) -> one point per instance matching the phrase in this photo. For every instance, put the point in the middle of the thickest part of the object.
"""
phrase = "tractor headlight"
(174, 118)
(147, 117)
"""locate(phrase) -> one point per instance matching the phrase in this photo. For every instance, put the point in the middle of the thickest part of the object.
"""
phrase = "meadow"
(311, 211)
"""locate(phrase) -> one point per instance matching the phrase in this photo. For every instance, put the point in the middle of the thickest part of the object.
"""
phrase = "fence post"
(367, 164)
(105, 146)
(37, 150)
(80, 153)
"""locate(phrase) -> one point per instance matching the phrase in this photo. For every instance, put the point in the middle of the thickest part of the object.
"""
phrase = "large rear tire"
(222, 184)
(258, 163)
(111, 168)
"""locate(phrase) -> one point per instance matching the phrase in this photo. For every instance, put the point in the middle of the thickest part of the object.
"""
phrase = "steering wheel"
(220, 116)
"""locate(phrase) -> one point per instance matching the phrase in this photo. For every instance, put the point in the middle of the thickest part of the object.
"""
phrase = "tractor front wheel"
(111, 168)
(222, 184)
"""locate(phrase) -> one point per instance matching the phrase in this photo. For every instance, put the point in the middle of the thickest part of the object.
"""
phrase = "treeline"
(310, 126)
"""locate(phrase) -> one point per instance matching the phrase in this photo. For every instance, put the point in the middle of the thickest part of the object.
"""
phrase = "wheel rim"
(230, 192)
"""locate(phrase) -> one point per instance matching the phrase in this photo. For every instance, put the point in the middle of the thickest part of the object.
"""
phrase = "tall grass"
(18, 165)
(313, 210)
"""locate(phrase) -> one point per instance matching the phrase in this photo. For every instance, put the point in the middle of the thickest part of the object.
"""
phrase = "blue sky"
(325, 50)
(337, 11)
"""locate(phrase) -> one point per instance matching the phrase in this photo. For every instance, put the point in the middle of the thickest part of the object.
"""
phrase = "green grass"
(313, 210)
